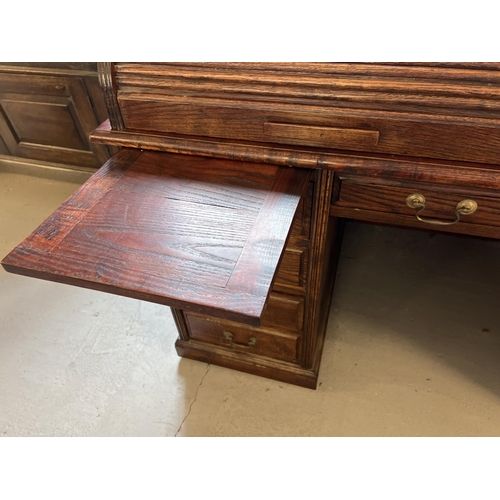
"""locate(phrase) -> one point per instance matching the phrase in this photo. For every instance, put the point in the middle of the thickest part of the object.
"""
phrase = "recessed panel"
(4, 150)
(43, 123)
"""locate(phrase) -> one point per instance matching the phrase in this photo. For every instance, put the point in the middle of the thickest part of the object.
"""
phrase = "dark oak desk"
(227, 200)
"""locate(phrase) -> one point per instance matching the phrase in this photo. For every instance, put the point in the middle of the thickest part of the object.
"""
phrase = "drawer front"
(301, 226)
(240, 338)
(291, 276)
(284, 312)
(369, 199)
(314, 126)
(292, 271)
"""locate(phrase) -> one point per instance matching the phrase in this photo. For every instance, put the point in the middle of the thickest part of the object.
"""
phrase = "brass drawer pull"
(251, 341)
(464, 207)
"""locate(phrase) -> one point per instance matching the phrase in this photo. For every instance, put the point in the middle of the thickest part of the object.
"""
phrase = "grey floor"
(412, 347)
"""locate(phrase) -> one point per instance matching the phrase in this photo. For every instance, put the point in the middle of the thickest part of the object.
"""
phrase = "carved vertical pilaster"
(320, 268)
(106, 76)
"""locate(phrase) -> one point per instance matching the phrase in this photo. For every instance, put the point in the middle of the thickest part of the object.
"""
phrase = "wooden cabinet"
(48, 110)
(227, 202)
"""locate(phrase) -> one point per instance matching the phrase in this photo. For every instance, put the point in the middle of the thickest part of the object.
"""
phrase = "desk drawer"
(301, 226)
(276, 345)
(313, 126)
(277, 337)
(442, 207)
(292, 272)
(285, 312)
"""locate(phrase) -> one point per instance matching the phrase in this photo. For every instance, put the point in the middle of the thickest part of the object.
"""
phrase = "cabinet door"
(49, 118)
(204, 235)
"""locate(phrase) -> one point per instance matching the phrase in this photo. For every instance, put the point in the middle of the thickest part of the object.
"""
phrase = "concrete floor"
(412, 348)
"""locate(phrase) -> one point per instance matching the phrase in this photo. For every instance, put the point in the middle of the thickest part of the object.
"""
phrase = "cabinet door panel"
(49, 118)
(43, 123)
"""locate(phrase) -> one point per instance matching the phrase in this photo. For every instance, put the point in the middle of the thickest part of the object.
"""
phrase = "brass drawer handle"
(229, 336)
(464, 207)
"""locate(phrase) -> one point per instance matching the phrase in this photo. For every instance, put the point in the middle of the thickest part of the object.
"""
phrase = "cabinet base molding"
(268, 368)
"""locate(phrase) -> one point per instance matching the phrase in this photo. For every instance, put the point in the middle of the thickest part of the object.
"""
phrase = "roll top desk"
(227, 198)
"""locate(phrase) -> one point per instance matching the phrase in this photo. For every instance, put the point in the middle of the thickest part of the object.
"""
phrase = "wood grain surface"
(442, 111)
(409, 134)
(459, 172)
(205, 235)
